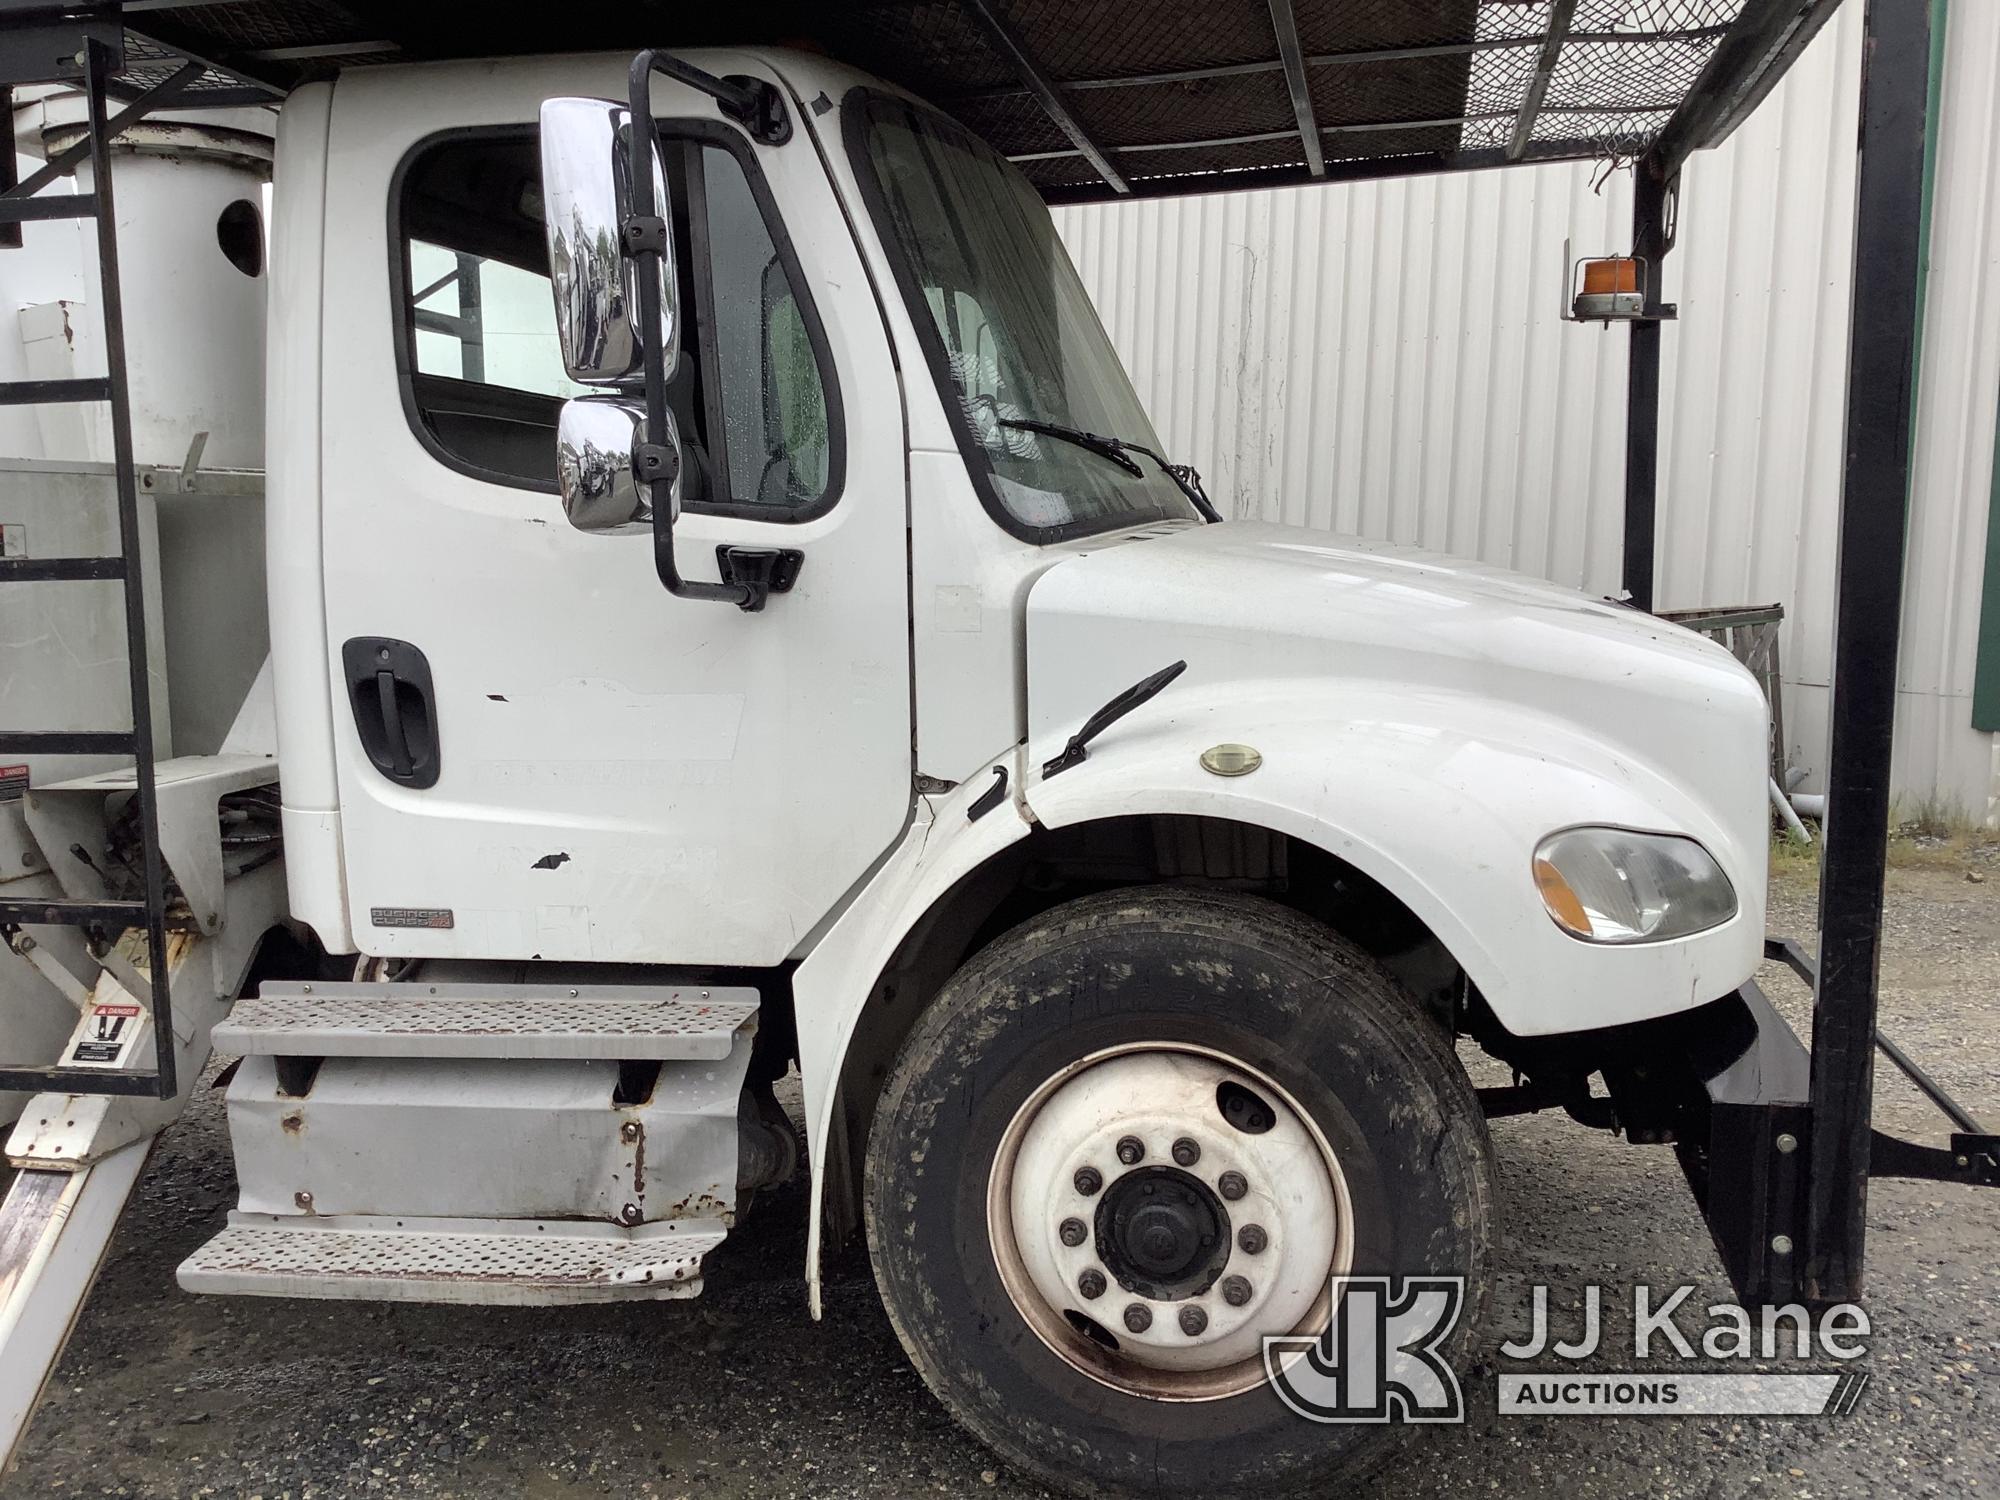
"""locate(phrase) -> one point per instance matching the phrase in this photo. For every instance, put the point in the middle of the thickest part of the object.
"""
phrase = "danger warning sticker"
(13, 783)
(107, 1035)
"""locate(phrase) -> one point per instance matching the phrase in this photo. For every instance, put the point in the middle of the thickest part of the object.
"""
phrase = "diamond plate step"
(664, 1022)
(450, 1260)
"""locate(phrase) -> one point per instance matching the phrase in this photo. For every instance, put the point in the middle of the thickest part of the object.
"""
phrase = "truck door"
(540, 753)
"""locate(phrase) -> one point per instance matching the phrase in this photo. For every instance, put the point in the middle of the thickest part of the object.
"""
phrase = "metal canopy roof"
(1096, 99)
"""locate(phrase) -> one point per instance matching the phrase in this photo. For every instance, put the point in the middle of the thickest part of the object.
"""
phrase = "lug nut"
(1193, 1321)
(1131, 1150)
(1186, 1152)
(1232, 1185)
(1091, 1284)
(1251, 1239)
(1088, 1180)
(1235, 1290)
(1138, 1317)
(1072, 1232)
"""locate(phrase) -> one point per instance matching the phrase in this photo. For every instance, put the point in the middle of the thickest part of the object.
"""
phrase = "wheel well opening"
(1052, 866)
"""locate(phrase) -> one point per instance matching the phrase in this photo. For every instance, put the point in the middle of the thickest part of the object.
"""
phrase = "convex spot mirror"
(598, 440)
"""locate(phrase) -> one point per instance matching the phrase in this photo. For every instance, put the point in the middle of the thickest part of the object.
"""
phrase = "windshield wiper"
(1103, 447)
(1120, 452)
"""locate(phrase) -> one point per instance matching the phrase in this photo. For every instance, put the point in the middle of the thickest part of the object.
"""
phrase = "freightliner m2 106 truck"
(724, 611)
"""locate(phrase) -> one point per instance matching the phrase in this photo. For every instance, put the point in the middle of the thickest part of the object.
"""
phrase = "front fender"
(1441, 798)
(1438, 797)
(832, 987)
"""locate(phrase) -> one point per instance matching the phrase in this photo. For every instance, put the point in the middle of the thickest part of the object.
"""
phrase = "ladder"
(97, 60)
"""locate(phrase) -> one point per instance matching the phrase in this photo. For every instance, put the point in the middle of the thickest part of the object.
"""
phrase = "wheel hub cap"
(1162, 1231)
(1185, 1268)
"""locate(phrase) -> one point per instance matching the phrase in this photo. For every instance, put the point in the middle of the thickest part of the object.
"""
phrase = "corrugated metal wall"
(1388, 358)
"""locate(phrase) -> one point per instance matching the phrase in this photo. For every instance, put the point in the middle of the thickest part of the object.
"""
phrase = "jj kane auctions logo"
(1381, 1359)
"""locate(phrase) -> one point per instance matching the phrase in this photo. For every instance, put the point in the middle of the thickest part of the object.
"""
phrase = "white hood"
(1246, 601)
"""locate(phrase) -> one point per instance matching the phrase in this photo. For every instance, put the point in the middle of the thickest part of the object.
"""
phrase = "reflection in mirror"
(595, 440)
(586, 197)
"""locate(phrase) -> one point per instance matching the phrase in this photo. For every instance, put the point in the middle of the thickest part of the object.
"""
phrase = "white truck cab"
(866, 310)
(1116, 876)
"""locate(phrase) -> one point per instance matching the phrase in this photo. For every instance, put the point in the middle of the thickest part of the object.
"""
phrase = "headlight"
(1609, 885)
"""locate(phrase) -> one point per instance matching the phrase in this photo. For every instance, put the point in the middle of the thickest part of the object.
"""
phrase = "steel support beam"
(1365, 127)
(1038, 83)
(1560, 17)
(1354, 58)
(1874, 514)
(1286, 27)
(1642, 391)
(1762, 43)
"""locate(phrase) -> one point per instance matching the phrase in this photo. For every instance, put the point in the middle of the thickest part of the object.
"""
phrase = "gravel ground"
(738, 1393)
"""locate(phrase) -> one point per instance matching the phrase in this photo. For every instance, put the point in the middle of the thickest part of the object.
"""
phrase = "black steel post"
(1874, 510)
(1642, 389)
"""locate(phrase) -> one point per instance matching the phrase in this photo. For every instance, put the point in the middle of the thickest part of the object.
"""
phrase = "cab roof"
(1101, 99)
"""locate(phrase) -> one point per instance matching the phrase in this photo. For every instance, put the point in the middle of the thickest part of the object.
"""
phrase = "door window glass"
(483, 320)
(773, 406)
(484, 375)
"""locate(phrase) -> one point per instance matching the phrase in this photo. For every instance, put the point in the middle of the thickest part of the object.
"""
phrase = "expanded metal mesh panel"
(1207, 109)
(1430, 88)
(1499, 79)
(1653, 15)
(1072, 40)
(1181, 95)
(1626, 76)
(1506, 18)
(148, 64)
(257, 25)
(1371, 25)
(1610, 133)
(1015, 118)
(937, 40)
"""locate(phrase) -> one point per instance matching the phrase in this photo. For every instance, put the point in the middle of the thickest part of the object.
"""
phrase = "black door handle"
(397, 740)
(395, 712)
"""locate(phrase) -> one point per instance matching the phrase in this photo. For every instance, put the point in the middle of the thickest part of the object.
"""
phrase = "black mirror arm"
(754, 104)
(656, 465)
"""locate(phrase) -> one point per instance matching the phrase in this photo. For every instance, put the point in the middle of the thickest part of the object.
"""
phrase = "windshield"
(1011, 332)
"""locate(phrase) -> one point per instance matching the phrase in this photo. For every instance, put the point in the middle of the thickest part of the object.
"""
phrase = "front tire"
(1077, 1142)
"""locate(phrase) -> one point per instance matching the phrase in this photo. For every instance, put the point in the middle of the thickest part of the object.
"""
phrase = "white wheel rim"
(1163, 1294)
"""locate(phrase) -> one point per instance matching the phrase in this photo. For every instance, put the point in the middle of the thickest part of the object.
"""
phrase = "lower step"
(450, 1260)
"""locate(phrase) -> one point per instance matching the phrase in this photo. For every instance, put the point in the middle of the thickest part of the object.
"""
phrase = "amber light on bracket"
(1617, 274)
(1605, 289)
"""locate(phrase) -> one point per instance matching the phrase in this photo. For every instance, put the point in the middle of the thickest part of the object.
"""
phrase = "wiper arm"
(1103, 447)
(1183, 475)
(1120, 452)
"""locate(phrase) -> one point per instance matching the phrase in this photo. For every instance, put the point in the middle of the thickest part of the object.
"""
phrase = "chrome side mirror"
(586, 203)
(598, 440)
(611, 262)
